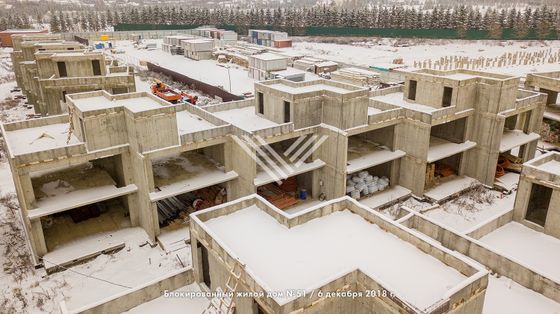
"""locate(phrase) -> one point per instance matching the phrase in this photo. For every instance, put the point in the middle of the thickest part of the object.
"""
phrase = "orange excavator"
(165, 92)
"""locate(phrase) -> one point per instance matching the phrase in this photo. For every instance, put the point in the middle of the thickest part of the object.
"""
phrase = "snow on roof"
(372, 111)
(538, 251)
(288, 53)
(136, 104)
(269, 56)
(387, 66)
(460, 76)
(504, 295)
(358, 71)
(309, 88)
(288, 72)
(30, 140)
(398, 100)
(198, 41)
(206, 71)
(305, 256)
(245, 118)
(551, 166)
(188, 123)
(326, 64)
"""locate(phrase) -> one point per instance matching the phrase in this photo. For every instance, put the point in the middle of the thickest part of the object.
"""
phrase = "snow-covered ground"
(180, 301)
(383, 51)
(208, 71)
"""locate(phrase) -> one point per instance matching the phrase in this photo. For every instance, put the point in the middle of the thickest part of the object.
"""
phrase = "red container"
(283, 43)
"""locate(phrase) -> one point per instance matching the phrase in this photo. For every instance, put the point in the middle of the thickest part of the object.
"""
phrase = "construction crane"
(167, 93)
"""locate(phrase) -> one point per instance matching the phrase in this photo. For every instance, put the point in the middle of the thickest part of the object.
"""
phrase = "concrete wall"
(130, 299)
(483, 254)
(467, 297)
(532, 175)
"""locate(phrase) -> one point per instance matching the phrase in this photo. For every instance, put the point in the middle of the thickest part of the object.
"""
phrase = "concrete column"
(528, 151)
(145, 215)
(196, 261)
(522, 199)
(413, 166)
(238, 160)
(552, 224)
(552, 96)
(38, 237)
(333, 152)
(34, 228)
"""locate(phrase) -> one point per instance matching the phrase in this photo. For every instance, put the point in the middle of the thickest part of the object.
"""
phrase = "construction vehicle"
(167, 93)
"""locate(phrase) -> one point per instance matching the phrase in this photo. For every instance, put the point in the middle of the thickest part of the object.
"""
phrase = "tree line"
(542, 20)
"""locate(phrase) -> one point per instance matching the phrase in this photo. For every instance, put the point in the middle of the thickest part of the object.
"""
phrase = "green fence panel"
(472, 34)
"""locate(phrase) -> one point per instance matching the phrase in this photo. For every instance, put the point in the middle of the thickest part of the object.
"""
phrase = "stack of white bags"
(364, 183)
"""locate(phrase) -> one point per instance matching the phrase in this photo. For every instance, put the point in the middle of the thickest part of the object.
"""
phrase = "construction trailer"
(198, 49)
(289, 74)
(269, 38)
(314, 65)
(172, 44)
(221, 37)
(282, 43)
(261, 65)
(325, 67)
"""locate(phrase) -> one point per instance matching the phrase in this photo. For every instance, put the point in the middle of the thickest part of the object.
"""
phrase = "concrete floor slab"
(364, 154)
(451, 186)
(61, 230)
(388, 196)
(507, 182)
(185, 173)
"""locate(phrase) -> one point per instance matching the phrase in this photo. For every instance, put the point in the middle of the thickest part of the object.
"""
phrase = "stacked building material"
(289, 185)
(364, 184)
(356, 76)
(277, 196)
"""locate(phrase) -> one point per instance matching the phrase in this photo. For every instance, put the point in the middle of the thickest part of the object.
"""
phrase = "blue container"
(303, 194)
(99, 46)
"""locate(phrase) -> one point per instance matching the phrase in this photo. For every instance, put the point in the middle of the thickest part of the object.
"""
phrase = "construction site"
(279, 183)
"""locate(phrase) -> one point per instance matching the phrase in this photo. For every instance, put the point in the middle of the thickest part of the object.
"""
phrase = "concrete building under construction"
(48, 68)
(139, 161)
